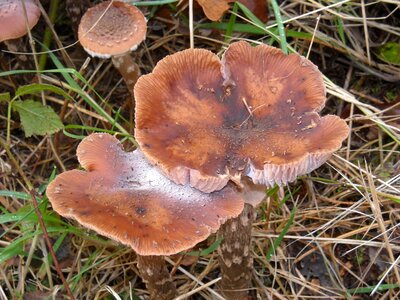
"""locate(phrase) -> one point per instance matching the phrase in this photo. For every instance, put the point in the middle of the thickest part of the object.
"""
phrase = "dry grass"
(343, 239)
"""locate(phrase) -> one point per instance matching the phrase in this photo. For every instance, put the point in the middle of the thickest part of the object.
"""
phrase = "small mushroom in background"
(252, 114)
(13, 25)
(114, 29)
(122, 196)
(215, 9)
(12, 18)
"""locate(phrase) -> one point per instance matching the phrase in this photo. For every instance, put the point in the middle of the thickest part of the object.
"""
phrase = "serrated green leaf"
(5, 97)
(390, 53)
(37, 118)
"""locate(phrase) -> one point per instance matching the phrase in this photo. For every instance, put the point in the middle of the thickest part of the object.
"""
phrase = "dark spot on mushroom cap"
(140, 211)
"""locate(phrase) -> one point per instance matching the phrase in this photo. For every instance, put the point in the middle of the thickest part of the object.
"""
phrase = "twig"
(53, 254)
(313, 36)
(366, 35)
(196, 290)
(191, 24)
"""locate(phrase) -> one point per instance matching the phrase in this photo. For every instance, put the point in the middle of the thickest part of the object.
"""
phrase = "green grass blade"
(278, 240)
(37, 88)
(250, 15)
(231, 23)
(369, 289)
(207, 251)
(281, 29)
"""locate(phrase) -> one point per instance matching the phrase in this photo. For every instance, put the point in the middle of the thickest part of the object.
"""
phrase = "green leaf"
(390, 53)
(5, 97)
(37, 118)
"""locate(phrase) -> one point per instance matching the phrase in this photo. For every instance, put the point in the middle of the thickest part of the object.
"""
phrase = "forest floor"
(335, 238)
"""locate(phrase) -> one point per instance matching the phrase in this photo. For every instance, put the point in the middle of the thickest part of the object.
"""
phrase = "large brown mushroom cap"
(112, 28)
(12, 18)
(125, 198)
(204, 121)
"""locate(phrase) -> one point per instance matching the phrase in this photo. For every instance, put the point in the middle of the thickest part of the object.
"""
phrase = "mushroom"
(122, 196)
(114, 29)
(254, 114)
(12, 18)
(14, 24)
(214, 9)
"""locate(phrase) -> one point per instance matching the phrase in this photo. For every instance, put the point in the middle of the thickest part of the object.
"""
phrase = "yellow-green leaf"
(37, 118)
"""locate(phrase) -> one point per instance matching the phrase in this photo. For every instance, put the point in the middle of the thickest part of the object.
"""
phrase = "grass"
(332, 234)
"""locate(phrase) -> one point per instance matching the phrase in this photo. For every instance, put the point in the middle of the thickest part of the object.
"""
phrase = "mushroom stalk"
(129, 70)
(155, 274)
(235, 258)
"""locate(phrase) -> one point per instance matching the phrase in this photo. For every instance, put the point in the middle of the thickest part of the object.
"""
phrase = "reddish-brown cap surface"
(214, 9)
(112, 28)
(255, 113)
(122, 196)
(12, 18)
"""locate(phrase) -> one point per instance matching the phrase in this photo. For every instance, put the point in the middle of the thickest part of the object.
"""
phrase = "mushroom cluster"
(206, 128)
(251, 118)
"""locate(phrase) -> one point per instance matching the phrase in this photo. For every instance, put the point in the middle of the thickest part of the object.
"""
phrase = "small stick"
(53, 254)
(191, 24)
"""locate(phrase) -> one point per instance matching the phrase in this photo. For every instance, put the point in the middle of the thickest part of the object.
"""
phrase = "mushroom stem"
(235, 258)
(154, 273)
(129, 70)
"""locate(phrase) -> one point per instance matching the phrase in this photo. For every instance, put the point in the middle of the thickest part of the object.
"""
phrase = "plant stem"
(235, 258)
(154, 273)
(53, 254)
